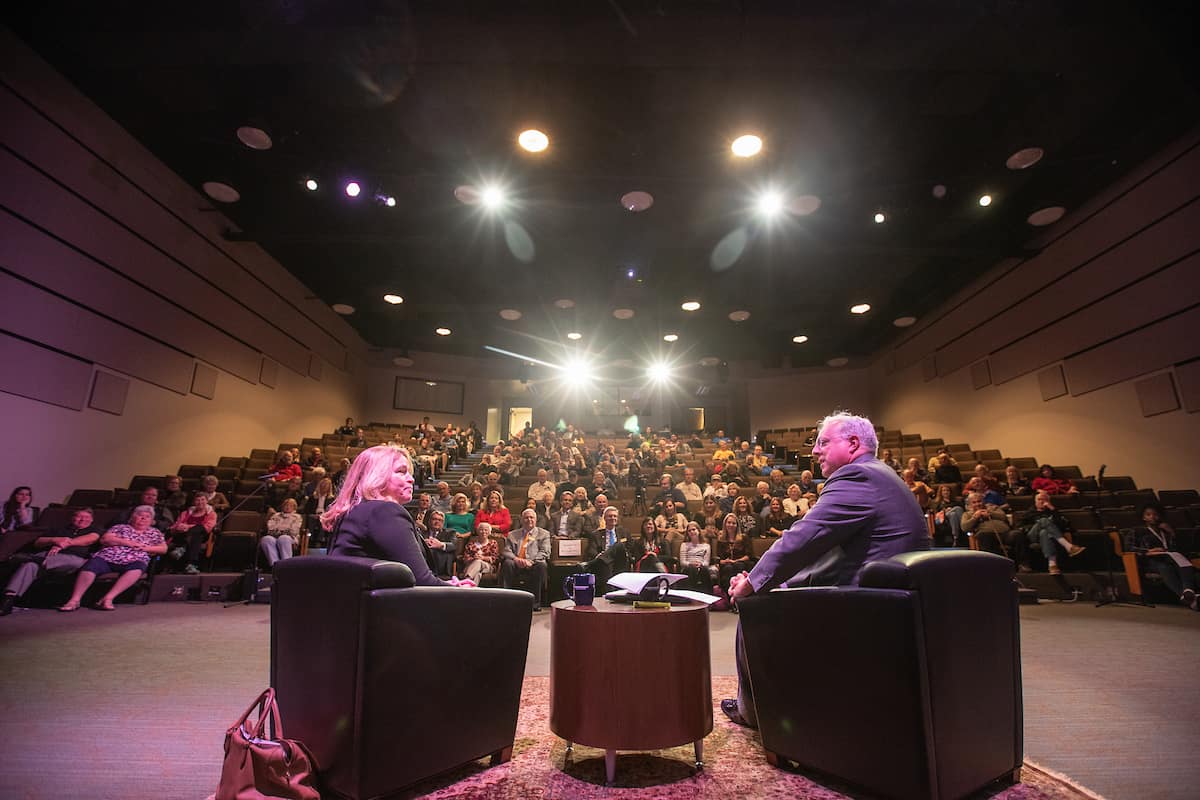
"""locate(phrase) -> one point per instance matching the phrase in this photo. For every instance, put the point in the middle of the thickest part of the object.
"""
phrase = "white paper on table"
(1179, 558)
(636, 581)
(700, 597)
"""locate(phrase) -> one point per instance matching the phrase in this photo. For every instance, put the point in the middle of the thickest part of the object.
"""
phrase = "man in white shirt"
(543, 485)
(691, 490)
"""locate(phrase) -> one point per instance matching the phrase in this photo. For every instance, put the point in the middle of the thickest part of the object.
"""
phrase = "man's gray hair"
(851, 425)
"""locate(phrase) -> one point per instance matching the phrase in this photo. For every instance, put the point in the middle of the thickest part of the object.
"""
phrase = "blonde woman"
(283, 532)
(369, 520)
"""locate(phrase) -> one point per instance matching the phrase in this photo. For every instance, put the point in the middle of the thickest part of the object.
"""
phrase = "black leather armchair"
(388, 683)
(908, 685)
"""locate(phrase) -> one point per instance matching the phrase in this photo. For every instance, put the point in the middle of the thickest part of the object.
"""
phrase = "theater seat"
(908, 685)
(389, 684)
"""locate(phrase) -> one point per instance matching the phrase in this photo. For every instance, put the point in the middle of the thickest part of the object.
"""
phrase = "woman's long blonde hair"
(366, 479)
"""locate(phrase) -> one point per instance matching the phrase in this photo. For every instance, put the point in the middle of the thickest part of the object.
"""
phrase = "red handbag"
(257, 767)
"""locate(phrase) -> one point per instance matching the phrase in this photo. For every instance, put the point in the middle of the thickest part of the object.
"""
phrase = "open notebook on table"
(633, 586)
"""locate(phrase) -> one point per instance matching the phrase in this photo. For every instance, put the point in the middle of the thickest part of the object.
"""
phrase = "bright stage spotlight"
(493, 197)
(659, 372)
(769, 203)
(578, 372)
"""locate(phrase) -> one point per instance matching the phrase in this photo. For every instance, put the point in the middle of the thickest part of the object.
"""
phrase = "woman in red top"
(190, 532)
(495, 513)
(286, 468)
(1051, 483)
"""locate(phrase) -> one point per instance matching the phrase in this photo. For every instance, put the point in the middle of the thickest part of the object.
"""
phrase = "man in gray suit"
(865, 513)
(525, 556)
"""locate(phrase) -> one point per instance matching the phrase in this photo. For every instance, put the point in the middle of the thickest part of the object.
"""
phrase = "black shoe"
(6, 605)
(730, 707)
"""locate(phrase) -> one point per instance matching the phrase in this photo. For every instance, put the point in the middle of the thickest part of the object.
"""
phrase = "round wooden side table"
(625, 678)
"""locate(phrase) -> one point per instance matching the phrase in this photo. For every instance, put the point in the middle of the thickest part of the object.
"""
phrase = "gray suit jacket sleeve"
(845, 510)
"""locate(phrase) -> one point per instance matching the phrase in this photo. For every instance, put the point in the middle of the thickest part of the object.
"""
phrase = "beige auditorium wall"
(135, 338)
(1085, 353)
(803, 398)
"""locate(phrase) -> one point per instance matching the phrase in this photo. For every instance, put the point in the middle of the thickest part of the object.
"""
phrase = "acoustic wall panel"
(109, 393)
(1052, 383)
(314, 366)
(269, 373)
(1188, 377)
(1156, 394)
(981, 374)
(38, 315)
(1169, 341)
(204, 381)
(1164, 242)
(1165, 292)
(929, 369)
(40, 374)
(259, 313)
(31, 195)
(1160, 193)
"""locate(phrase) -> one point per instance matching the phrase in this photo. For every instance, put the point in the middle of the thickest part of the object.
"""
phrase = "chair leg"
(772, 758)
(502, 756)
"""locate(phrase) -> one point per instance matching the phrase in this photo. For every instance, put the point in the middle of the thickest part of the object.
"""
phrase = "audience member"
(286, 468)
(542, 485)
(217, 501)
(526, 555)
(947, 513)
(424, 509)
(359, 439)
(339, 477)
(1014, 482)
(889, 459)
(989, 525)
(807, 483)
(795, 504)
(283, 533)
(733, 558)
(460, 519)
(919, 471)
(688, 487)
(748, 521)
(124, 548)
(279, 493)
(18, 511)
(315, 458)
(651, 550)
(475, 497)
(944, 469)
(1048, 481)
(60, 552)
(777, 520)
(441, 502)
(761, 502)
(594, 519)
(480, 554)
(665, 491)
(347, 429)
(986, 484)
(369, 519)
(694, 556)
(495, 514)
(1047, 530)
(189, 534)
(163, 518)
(442, 543)
(920, 490)
(1155, 542)
(173, 496)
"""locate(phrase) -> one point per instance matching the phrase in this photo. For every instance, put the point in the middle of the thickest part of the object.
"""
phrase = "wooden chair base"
(502, 756)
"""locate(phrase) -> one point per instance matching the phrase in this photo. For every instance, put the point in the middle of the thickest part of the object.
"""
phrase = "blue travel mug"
(580, 587)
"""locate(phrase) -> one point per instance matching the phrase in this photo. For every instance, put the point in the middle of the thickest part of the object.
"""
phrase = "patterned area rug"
(734, 767)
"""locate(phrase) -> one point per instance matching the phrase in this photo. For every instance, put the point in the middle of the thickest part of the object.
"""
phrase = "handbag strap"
(268, 712)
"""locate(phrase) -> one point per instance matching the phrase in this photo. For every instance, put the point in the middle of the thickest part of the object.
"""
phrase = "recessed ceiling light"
(671, 337)
(353, 189)
(746, 146)
(623, 313)
(860, 308)
(389, 201)
(394, 299)
(431, 383)
(311, 184)
(841, 361)
(254, 138)
(1023, 159)
(801, 339)
(904, 322)
(939, 191)
(804, 205)
(533, 140)
(739, 316)
(510, 314)
(442, 331)
(636, 201)
(574, 336)
(564, 303)
(221, 192)
(403, 361)
(1046, 216)
(985, 200)
(466, 194)
(691, 305)
(880, 218)
(342, 308)
(709, 361)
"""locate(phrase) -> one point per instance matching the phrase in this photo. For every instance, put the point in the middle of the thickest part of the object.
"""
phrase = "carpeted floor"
(134, 704)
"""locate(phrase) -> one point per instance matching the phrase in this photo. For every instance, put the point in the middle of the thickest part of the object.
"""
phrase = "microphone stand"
(1111, 596)
(264, 482)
